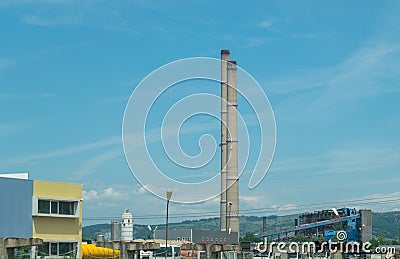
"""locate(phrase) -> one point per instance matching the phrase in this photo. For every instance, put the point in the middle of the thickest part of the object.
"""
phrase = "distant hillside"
(247, 224)
(388, 223)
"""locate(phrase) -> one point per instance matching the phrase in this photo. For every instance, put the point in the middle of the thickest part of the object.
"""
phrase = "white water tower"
(127, 226)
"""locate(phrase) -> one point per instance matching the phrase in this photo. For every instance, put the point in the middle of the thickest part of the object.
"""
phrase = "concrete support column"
(3, 250)
(7, 245)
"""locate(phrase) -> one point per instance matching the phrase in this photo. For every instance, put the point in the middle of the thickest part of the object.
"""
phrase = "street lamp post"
(169, 194)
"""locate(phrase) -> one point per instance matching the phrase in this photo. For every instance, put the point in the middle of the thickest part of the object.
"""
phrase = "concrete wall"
(57, 190)
(16, 208)
(200, 236)
(366, 225)
(52, 228)
(60, 228)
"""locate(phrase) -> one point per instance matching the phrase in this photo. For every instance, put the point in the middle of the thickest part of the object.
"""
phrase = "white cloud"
(359, 75)
(141, 190)
(66, 150)
(315, 93)
(7, 129)
(250, 199)
(13, 96)
(72, 17)
(380, 202)
(266, 24)
(348, 160)
(286, 207)
(255, 42)
(35, 20)
(17, 2)
(91, 166)
(6, 63)
(107, 195)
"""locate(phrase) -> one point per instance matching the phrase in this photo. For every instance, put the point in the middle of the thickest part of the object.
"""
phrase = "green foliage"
(381, 240)
(302, 238)
(387, 223)
(249, 237)
(22, 252)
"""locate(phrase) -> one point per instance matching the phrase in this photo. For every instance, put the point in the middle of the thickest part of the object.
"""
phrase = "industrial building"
(357, 225)
(51, 211)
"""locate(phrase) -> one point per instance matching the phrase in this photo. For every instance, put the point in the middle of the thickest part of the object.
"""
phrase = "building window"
(53, 249)
(43, 250)
(61, 249)
(57, 207)
(65, 248)
(67, 208)
(54, 207)
(44, 206)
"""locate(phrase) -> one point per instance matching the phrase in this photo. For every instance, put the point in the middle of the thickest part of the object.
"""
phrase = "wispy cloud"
(369, 65)
(53, 20)
(47, 51)
(76, 13)
(6, 63)
(66, 150)
(35, 20)
(367, 73)
(33, 2)
(266, 24)
(92, 165)
(107, 195)
(380, 202)
(7, 129)
(14, 96)
(349, 161)
(255, 42)
(113, 100)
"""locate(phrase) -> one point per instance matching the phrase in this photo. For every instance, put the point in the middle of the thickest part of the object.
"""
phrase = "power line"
(355, 202)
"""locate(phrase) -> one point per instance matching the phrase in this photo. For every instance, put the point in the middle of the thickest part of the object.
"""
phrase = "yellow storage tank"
(90, 251)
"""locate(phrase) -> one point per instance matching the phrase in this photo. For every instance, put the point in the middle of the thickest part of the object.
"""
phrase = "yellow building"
(57, 218)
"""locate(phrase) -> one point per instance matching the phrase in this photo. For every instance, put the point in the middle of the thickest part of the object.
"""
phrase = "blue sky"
(329, 69)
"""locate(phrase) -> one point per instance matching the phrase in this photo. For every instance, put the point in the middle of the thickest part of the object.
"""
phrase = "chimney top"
(232, 61)
(225, 52)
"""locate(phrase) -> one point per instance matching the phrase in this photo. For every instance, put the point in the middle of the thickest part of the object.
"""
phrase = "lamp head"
(169, 194)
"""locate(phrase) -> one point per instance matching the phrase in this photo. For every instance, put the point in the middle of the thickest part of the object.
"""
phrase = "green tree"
(22, 252)
(381, 240)
(249, 237)
(302, 238)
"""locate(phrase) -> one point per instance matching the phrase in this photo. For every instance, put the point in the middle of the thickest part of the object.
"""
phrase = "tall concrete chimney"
(232, 177)
(225, 55)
